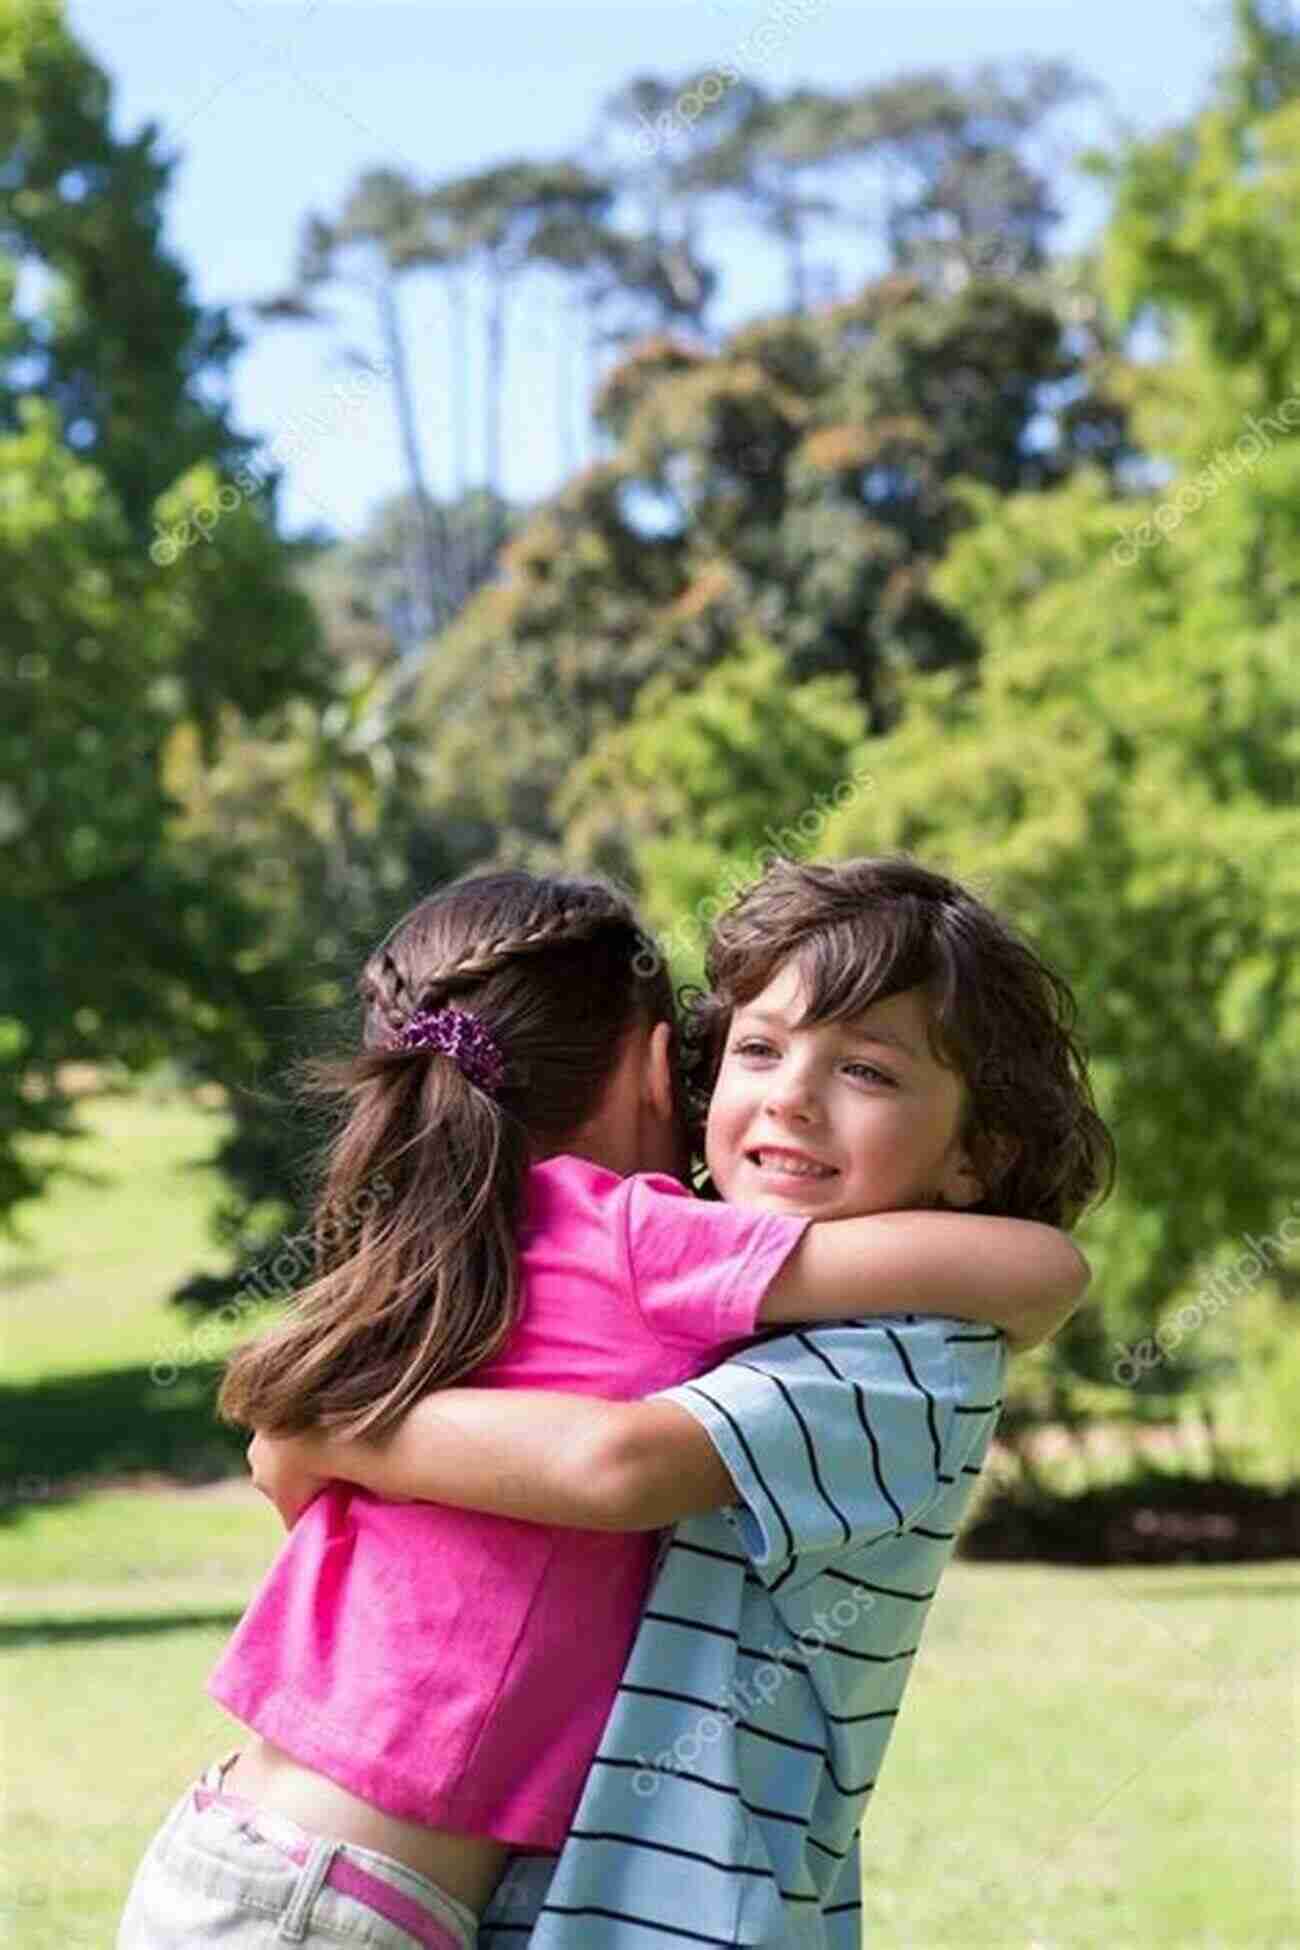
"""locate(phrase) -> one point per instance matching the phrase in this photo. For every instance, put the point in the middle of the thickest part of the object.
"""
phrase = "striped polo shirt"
(769, 1667)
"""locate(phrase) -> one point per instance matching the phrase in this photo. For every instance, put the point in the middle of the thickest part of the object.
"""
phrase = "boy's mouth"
(776, 1163)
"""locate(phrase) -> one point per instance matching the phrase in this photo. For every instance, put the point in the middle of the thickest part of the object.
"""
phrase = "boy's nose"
(792, 1098)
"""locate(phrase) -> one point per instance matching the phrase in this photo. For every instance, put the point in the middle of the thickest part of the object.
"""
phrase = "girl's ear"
(657, 1072)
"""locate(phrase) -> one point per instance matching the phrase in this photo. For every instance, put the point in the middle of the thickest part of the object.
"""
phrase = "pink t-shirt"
(457, 1669)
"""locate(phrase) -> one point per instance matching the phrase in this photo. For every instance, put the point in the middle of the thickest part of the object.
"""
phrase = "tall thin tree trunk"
(428, 546)
(596, 433)
(690, 230)
(796, 269)
(343, 853)
(565, 388)
(494, 381)
(465, 551)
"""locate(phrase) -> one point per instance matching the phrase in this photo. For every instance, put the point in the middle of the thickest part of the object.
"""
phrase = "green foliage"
(146, 593)
(698, 786)
(1206, 229)
(116, 944)
(1120, 773)
(323, 831)
(1120, 779)
(118, 342)
(841, 552)
(799, 484)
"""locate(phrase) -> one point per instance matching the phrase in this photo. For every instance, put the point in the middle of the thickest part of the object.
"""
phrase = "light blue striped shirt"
(774, 1650)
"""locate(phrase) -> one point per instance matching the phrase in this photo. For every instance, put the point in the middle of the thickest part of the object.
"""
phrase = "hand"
(282, 1472)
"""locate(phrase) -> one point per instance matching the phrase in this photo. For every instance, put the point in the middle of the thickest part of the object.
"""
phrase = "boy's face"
(835, 1119)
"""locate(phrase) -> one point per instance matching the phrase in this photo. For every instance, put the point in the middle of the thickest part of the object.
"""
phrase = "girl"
(426, 1686)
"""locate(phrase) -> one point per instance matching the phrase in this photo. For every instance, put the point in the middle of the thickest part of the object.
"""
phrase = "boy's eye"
(755, 1046)
(877, 1076)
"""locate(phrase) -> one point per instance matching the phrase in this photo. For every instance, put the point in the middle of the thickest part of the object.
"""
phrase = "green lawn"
(1086, 1758)
(85, 1291)
(86, 1318)
(1103, 1759)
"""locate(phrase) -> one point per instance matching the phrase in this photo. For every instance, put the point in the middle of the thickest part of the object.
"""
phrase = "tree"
(1119, 770)
(799, 484)
(647, 152)
(323, 828)
(1120, 779)
(497, 216)
(739, 154)
(145, 590)
(1204, 221)
(965, 195)
(700, 785)
(941, 174)
(118, 340)
(381, 234)
(363, 582)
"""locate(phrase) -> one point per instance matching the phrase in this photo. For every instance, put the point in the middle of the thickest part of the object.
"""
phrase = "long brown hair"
(422, 1195)
(866, 929)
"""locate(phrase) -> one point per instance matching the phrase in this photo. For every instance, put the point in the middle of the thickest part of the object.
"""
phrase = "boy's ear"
(964, 1184)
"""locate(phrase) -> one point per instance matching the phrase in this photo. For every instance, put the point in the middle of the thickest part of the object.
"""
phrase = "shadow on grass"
(68, 1434)
(1154, 1518)
(1243, 1591)
(47, 1631)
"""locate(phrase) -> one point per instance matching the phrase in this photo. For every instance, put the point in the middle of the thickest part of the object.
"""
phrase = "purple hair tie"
(460, 1036)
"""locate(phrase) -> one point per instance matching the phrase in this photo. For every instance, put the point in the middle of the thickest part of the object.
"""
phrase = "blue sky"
(274, 106)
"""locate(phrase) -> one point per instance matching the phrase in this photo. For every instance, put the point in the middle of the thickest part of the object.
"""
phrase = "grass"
(85, 1291)
(1087, 1758)
(112, 1609)
(1095, 1758)
(86, 1314)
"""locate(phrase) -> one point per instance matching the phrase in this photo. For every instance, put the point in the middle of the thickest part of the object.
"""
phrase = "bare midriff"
(466, 1866)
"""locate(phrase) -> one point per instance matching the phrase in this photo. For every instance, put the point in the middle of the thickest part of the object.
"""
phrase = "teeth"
(796, 1168)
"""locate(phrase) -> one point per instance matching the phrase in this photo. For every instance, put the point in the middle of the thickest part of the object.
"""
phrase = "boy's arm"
(1021, 1276)
(533, 1454)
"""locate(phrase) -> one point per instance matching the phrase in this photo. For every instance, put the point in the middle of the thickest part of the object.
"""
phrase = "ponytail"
(422, 1200)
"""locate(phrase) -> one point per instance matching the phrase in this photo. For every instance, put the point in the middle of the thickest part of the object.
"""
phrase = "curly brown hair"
(866, 929)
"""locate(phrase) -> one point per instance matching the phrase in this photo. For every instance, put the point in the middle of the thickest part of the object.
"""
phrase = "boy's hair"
(423, 1185)
(863, 930)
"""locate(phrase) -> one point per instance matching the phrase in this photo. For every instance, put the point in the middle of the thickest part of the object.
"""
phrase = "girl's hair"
(422, 1195)
(867, 929)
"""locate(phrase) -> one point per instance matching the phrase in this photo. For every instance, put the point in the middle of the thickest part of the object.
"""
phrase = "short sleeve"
(699, 1269)
(838, 1435)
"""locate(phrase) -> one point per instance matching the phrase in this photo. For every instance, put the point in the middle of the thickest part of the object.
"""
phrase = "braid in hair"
(575, 921)
(387, 993)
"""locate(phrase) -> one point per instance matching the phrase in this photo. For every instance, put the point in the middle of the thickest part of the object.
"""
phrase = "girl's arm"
(544, 1457)
(1021, 1276)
